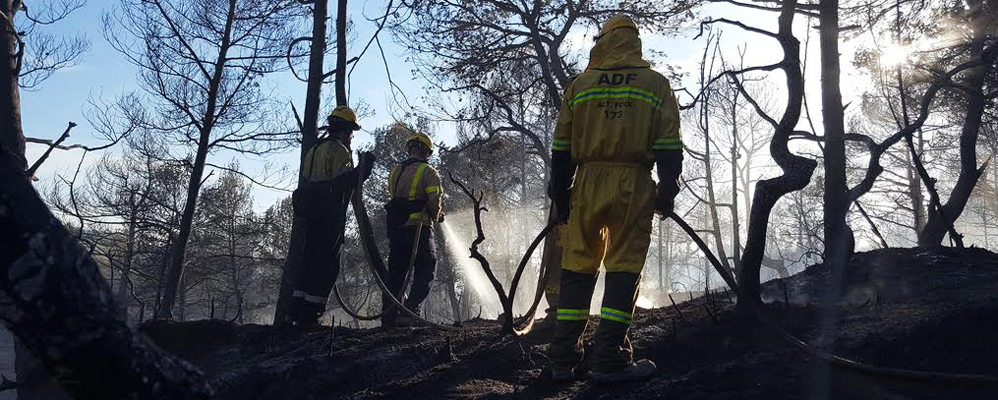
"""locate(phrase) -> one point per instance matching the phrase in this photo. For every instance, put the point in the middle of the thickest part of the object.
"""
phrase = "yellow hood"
(619, 48)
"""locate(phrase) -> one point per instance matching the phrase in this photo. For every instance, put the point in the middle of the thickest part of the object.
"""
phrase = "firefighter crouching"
(328, 179)
(617, 120)
(414, 207)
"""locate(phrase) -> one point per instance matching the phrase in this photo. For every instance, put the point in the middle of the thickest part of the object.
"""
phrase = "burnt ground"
(904, 308)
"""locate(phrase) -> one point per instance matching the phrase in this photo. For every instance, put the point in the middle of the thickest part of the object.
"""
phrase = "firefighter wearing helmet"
(414, 207)
(326, 183)
(618, 119)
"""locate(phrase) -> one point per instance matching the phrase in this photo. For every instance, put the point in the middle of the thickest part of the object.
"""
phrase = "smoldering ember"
(495, 199)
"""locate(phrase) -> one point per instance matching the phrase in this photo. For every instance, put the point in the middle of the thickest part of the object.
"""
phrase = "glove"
(561, 199)
(665, 201)
(563, 206)
(559, 189)
(440, 219)
(670, 167)
(366, 164)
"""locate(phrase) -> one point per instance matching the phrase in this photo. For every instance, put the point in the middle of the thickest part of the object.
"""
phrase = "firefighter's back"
(615, 114)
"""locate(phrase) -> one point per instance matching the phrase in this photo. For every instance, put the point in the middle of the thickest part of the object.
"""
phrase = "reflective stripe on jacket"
(619, 110)
(417, 181)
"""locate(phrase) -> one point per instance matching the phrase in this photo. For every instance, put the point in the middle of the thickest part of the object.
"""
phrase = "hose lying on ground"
(838, 361)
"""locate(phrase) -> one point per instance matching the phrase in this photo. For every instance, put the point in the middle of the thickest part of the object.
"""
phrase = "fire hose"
(364, 224)
(528, 318)
(838, 361)
(408, 278)
(370, 249)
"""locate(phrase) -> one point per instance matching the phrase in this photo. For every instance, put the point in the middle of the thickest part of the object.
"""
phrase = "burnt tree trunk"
(937, 225)
(838, 235)
(178, 252)
(309, 136)
(915, 194)
(797, 170)
(126, 271)
(736, 240)
(12, 139)
(59, 307)
(341, 53)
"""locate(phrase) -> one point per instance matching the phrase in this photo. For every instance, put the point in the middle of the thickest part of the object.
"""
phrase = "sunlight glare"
(644, 302)
(894, 56)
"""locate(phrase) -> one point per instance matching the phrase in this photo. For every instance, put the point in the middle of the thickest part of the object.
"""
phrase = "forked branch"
(476, 201)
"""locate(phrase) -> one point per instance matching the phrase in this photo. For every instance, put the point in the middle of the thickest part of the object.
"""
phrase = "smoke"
(460, 254)
(503, 251)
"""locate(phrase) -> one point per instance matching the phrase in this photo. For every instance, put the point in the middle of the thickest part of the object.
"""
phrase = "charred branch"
(678, 310)
(65, 135)
(477, 208)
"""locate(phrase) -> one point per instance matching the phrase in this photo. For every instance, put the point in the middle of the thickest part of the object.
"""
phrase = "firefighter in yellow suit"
(414, 206)
(328, 178)
(618, 119)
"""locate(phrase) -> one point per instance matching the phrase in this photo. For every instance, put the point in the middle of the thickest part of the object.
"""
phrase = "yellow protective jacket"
(326, 161)
(617, 119)
(619, 109)
(415, 180)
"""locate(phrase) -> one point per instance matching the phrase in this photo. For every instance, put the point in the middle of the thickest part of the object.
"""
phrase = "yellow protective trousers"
(611, 218)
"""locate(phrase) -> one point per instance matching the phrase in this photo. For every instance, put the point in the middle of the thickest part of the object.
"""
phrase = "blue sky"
(102, 72)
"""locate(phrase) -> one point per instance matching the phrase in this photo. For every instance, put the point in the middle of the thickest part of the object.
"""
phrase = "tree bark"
(12, 141)
(309, 136)
(937, 225)
(736, 241)
(797, 170)
(838, 235)
(178, 252)
(341, 53)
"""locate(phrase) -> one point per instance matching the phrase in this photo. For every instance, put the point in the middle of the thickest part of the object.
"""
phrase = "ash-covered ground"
(927, 310)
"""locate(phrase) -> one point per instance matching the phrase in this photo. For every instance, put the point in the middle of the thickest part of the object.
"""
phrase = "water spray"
(461, 255)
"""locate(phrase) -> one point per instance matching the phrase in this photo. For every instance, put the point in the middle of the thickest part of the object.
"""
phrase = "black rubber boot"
(310, 314)
(638, 370)
(404, 320)
(572, 316)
